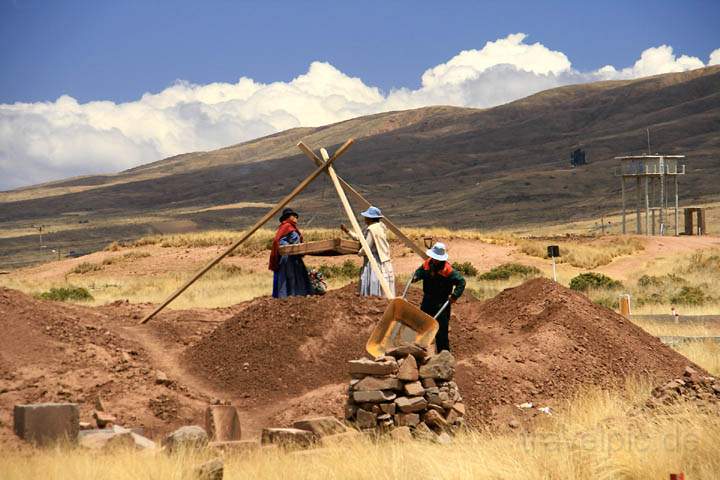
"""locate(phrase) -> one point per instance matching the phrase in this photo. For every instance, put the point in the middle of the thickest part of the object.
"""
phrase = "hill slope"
(438, 165)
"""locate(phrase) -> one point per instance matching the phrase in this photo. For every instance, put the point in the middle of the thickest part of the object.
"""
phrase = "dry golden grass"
(590, 437)
(583, 254)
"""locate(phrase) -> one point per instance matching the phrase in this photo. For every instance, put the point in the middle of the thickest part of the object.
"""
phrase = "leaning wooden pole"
(358, 231)
(248, 233)
(366, 204)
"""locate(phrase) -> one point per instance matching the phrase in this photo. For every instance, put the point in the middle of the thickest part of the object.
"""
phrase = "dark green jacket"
(438, 286)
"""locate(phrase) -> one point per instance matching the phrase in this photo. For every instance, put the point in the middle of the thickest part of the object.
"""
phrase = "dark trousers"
(442, 340)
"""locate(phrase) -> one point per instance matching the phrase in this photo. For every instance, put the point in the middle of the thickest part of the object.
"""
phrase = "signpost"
(553, 251)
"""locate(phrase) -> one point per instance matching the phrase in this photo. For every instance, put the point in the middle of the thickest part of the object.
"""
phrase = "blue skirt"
(291, 278)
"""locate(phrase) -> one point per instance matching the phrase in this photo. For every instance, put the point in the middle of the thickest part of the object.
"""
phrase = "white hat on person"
(438, 252)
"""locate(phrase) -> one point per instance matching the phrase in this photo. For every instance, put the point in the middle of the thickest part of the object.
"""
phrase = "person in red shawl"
(290, 277)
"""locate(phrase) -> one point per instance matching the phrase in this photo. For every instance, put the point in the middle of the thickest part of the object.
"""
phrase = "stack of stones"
(406, 388)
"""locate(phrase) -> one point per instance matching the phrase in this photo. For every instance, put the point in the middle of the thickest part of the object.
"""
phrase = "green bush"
(508, 270)
(86, 267)
(689, 295)
(607, 302)
(347, 270)
(63, 294)
(588, 280)
(466, 268)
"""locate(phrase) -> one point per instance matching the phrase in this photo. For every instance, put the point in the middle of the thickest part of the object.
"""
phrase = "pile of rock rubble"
(406, 391)
(702, 390)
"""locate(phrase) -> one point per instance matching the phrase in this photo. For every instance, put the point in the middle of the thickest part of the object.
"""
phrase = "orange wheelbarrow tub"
(402, 323)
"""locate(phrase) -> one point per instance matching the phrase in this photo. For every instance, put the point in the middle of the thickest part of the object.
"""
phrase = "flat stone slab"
(411, 404)
(321, 426)
(373, 396)
(45, 423)
(236, 446)
(378, 383)
(370, 367)
(287, 437)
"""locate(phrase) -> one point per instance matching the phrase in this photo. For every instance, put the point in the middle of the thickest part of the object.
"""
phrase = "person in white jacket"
(376, 238)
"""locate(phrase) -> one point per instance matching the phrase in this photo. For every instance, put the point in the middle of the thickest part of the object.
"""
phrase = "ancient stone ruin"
(406, 389)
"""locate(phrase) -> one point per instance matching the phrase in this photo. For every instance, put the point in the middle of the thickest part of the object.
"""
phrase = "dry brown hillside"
(438, 165)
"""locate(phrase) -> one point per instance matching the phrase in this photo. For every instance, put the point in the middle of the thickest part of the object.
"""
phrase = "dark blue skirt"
(291, 278)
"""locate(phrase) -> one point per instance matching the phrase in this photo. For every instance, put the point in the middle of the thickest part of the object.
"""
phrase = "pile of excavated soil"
(538, 342)
(282, 348)
(57, 352)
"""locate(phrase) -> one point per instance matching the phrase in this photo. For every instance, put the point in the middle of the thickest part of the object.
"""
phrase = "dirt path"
(656, 248)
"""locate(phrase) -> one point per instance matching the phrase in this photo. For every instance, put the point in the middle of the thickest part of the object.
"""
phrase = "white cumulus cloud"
(714, 57)
(50, 140)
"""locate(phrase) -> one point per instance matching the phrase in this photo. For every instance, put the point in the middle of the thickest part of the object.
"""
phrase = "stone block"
(211, 470)
(321, 426)
(366, 419)
(407, 419)
(388, 408)
(365, 366)
(373, 396)
(434, 419)
(414, 389)
(410, 349)
(45, 423)
(288, 437)
(440, 366)
(189, 437)
(408, 371)
(222, 423)
(236, 446)
(410, 404)
(378, 383)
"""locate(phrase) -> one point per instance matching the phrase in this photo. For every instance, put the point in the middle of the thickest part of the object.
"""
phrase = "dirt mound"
(538, 342)
(278, 349)
(57, 352)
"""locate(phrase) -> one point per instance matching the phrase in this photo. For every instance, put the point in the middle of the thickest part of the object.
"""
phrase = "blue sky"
(100, 86)
(118, 50)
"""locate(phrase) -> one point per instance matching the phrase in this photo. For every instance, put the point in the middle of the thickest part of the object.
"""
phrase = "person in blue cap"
(441, 283)
(376, 238)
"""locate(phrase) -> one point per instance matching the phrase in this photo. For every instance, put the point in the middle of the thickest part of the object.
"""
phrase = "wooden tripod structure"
(341, 186)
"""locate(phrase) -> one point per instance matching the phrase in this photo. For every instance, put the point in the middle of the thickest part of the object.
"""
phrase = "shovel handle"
(442, 309)
(407, 287)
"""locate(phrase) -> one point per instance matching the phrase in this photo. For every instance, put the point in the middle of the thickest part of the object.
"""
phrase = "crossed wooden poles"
(341, 186)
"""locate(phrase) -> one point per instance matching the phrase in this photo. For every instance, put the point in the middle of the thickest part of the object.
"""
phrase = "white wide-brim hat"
(438, 252)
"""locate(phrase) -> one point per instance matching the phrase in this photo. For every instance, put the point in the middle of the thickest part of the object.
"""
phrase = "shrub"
(689, 295)
(466, 268)
(86, 267)
(347, 270)
(507, 270)
(63, 294)
(584, 281)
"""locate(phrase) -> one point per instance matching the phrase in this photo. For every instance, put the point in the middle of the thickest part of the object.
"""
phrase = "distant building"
(577, 157)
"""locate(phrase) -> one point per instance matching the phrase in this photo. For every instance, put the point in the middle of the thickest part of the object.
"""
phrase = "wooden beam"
(358, 231)
(365, 204)
(248, 233)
